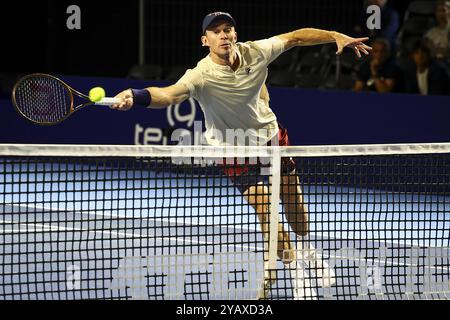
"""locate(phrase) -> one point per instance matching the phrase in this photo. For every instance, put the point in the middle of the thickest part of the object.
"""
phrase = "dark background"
(35, 37)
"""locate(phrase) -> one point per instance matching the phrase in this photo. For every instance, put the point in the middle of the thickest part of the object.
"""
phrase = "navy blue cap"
(210, 18)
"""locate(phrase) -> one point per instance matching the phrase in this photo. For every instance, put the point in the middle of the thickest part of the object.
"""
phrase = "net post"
(275, 166)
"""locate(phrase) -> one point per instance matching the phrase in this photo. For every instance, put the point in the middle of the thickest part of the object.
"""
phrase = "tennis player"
(229, 84)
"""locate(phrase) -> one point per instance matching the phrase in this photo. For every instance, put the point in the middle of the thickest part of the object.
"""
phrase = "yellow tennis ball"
(96, 94)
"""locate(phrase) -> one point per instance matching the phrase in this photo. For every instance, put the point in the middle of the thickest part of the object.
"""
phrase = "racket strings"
(43, 99)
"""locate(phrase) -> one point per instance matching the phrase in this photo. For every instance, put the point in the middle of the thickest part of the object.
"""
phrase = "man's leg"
(294, 207)
(297, 217)
(258, 197)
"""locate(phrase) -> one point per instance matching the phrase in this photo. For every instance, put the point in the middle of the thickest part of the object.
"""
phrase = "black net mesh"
(350, 227)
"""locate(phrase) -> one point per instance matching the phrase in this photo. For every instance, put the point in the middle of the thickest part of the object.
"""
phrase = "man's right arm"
(160, 97)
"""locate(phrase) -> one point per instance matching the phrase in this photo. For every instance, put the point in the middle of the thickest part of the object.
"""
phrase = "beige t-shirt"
(230, 100)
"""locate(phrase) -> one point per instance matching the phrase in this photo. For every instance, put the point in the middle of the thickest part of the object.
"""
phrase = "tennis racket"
(46, 100)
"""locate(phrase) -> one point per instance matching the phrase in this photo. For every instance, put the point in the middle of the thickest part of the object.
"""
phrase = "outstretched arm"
(160, 97)
(311, 36)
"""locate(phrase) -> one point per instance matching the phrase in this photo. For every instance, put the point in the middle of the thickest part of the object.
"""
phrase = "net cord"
(204, 152)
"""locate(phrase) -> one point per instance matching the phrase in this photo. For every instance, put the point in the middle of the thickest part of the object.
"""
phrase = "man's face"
(220, 37)
(421, 58)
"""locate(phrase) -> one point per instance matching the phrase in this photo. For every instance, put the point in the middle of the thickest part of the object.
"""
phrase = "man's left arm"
(311, 37)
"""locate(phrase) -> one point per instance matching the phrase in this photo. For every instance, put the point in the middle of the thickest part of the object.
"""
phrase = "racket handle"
(108, 101)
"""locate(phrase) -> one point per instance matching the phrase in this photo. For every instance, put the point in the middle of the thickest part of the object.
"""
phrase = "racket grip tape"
(108, 101)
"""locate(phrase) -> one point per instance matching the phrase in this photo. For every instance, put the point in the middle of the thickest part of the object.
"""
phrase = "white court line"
(392, 263)
(129, 236)
(387, 242)
(93, 213)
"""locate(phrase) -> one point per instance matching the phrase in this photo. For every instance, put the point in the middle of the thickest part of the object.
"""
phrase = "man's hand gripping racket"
(46, 100)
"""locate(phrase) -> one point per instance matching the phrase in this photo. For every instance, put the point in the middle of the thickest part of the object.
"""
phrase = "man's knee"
(256, 192)
(258, 198)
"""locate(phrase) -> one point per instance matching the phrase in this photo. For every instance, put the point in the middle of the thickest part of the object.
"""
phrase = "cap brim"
(220, 17)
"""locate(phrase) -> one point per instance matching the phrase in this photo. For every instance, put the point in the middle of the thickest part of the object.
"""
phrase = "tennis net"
(206, 223)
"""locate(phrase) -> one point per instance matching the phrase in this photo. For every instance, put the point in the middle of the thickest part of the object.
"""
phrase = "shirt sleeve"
(193, 80)
(271, 48)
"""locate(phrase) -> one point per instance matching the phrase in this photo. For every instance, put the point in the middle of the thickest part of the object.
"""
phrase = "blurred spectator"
(429, 77)
(380, 73)
(389, 23)
(439, 35)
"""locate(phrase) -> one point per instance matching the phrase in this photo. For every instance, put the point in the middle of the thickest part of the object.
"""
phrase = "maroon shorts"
(245, 175)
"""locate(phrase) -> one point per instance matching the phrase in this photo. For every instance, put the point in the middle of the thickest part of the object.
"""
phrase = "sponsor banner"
(312, 116)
